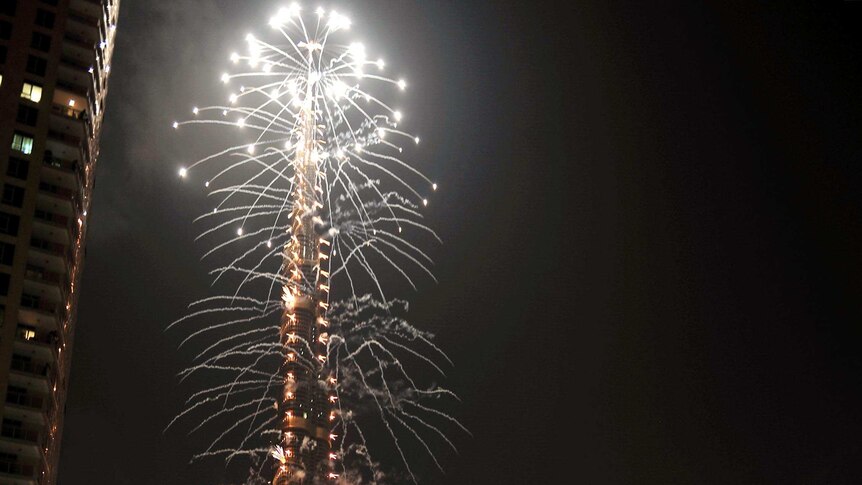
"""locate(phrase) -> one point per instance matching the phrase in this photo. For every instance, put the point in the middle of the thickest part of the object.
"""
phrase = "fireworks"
(313, 206)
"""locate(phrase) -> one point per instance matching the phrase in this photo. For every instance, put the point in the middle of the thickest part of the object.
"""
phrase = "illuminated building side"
(55, 60)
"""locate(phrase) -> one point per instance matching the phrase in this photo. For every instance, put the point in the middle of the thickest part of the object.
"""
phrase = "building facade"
(55, 58)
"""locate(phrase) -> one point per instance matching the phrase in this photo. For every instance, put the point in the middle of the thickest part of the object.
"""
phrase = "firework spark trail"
(320, 201)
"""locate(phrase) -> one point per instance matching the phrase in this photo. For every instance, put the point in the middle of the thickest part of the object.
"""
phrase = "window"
(18, 168)
(9, 223)
(33, 92)
(12, 423)
(16, 390)
(26, 332)
(27, 115)
(45, 18)
(22, 143)
(5, 30)
(4, 285)
(2, 315)
(3, 51)
(29, 301)
(36, 65)
(41, 42)
(12, 195)
(7, 253)
(8, 7)
(49, 2)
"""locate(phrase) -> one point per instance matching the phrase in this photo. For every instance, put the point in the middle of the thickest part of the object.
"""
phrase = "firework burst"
(315, 211)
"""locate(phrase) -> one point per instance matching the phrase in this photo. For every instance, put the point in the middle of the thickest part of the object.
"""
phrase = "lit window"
(31, 92)
(22, 143)
(28, 334)
(1, 79)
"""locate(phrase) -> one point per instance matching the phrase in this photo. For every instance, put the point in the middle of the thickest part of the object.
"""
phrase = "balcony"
(20, 473)
(79, 42)
(36, 337)
(32, 374)
(74, 76)
(37, 369)
(22, 442)
(83, 25)
(35, 303)
(65, 173)
(49, 255)
(51, 218)
(26, 401)
(51, 226)
(39, 313)
(73, 88)
(35, 375)
(89, 7)
(64, 146)
(68, 112)
(38, 342)
(38, 280)
(69, 122)
(59, 200)
(20, 433)
(72, 141)
(41, 275)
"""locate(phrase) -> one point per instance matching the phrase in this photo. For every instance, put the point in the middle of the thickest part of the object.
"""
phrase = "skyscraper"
(304, 410)
(55, 57)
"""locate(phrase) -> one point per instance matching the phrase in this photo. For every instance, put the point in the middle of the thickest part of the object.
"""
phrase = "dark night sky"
(651, 216)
